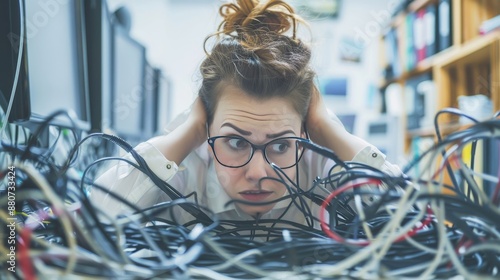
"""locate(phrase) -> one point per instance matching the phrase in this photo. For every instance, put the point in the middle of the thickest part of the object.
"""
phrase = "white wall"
(361, 21)
(174, 30)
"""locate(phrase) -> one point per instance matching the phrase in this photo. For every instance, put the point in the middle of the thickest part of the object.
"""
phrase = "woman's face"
(259, 122)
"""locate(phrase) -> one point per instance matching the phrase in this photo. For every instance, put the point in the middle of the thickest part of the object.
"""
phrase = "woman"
(256, 98)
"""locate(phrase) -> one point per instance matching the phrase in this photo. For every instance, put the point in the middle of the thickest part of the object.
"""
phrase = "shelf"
(444, 129)
(471, 65)
(423, 66)
(473, 51)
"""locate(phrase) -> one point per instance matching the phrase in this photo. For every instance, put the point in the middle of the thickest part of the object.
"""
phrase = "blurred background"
(128, 67)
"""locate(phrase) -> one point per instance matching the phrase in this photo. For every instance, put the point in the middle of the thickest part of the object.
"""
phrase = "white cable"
(237, 258)
(208, 273)
(392, 231)
(401, 272)
(362, 217)
(491, 229)
(438, 209)
(5, 122)
(226, 255)
(389, 234)
(489, 246)
(59, 207)
(385, 237)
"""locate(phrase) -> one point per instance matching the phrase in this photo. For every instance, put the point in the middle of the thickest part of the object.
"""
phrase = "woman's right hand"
(186, 137)
(198, 120)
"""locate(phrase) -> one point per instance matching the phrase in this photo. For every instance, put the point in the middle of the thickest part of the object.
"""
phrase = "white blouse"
(196, 174)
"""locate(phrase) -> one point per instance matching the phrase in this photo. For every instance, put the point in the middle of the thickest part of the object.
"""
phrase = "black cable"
(438, 134)
(45, 123)
(185, 245)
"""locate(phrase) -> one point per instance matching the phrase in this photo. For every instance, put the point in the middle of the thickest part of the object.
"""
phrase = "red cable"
(326, 228)
(414, 231)
(361, 242)
(449, 160)
(24, 257)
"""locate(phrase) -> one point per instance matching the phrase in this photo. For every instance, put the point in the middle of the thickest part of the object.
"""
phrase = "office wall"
(173, 32)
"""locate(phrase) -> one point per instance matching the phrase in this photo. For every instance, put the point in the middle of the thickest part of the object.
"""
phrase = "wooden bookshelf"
(471, 65)
(421, 67)
(470, 68)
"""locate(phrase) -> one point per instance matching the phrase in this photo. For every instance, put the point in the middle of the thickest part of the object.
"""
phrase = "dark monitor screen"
(10, 48)
(107, 65)
(56, 60)
(99, 37)
(129, 62)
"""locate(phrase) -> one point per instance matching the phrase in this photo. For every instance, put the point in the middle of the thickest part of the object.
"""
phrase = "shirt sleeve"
(375, 158)
(132, 184)
(371, 156)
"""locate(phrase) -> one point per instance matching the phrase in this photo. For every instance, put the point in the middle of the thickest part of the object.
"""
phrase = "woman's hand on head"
(326, 130)
(318, 119)
(186, 137)
(317, 112)
(197, 119)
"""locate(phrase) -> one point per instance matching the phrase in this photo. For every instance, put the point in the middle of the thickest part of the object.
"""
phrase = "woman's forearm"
(176, 145)
(332, 134)
(180, 142)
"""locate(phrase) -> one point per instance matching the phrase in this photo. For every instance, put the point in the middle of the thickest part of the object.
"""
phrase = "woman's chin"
(256, 211)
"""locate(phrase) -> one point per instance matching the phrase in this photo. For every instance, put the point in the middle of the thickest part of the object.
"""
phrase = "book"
(411, 61)
(444, 24)
(419, 35)
(419, 92)
(430, 22)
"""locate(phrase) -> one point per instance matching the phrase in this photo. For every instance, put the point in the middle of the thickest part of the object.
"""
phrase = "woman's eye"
(236, 143)
(280, 147)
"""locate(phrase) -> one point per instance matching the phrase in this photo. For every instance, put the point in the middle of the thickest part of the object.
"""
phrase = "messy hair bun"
(253, 16)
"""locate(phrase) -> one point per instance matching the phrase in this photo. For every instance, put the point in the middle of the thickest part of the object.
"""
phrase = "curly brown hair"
(253, 53)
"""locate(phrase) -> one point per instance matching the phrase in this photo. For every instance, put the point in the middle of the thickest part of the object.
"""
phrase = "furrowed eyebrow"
(247, 133)
(241, 131)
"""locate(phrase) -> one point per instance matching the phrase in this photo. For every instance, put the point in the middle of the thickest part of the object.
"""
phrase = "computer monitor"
(56, 61)
(99, 35)
(128, 76)
(334, 86)
(10, 30)
(164, 115)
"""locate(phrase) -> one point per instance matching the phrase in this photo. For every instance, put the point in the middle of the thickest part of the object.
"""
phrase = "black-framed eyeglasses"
(236, 151)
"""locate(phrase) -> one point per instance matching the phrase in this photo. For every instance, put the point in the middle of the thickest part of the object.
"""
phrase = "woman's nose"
(257, 167)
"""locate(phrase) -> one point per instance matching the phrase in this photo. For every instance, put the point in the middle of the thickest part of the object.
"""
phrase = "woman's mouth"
(255, 195)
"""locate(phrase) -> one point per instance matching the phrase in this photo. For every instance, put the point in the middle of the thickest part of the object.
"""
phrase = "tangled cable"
(371, 224)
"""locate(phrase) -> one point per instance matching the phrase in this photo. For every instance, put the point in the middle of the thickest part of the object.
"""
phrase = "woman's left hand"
(326, 130)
